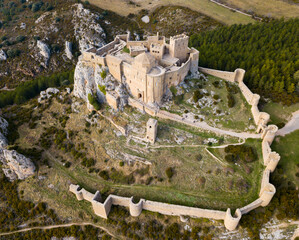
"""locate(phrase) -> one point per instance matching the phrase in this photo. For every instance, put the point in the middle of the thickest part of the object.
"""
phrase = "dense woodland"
(30, 89)
(267, 51)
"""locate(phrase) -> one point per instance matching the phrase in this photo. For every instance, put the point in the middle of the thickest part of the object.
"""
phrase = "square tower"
(178, 47)
(151, 130)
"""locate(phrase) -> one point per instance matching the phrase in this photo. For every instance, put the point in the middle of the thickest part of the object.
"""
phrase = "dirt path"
(235, 10)
(291, 126)
(204, 125)
(57, 226)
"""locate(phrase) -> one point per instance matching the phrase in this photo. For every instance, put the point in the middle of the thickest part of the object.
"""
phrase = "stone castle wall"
(270, 161)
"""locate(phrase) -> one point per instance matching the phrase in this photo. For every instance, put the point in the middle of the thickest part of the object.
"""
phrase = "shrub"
(121, 164)
(197, 95)
(11, 53)
(241, 153)
(126, 50)
(35, 7)
(103, 74)
(178, 99)
(20, 38)
(173, 90)
(230, 100)
(94, 102)
(169, 172)
(102, 88)
(55, 48)
(186, 111)
(88, 162)
(36, 38)
(216, 84)
(216, 97)
(280, 125)
(104, 174)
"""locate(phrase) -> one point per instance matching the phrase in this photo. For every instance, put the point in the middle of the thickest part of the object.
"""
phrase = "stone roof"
(146, 60)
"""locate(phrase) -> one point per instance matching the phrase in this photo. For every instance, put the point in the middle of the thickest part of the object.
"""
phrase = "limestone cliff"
(88, 78)
(14, 165)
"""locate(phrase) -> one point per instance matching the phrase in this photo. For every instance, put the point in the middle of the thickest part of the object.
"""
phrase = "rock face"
(44, 50)
(3, 56)
(87, 80)
(83, 80)
(68, 50)
(14, 165)
(86, 30)
(3, 132)
(18, 164)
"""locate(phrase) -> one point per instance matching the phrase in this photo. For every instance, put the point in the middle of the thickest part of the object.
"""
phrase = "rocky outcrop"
(3, 56)
(86, 30)
(44, 50)
(14, 165)
(3, 132)
(68, 50)
(19, 166)
(83, 80)
(47, 93)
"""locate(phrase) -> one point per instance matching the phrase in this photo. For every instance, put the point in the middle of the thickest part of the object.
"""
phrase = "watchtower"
(178, 47)
(151, 130)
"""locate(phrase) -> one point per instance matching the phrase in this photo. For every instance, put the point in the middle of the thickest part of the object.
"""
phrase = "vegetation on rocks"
(94, 101)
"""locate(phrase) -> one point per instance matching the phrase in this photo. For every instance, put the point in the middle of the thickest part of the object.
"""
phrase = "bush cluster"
(240, 153)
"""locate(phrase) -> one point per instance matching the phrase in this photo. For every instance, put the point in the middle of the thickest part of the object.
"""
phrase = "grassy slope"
(273, 8)
(287, 147)
(280, 113)
(206, 7)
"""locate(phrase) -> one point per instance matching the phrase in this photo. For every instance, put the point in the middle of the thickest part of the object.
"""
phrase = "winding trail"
(155, 112)
(57, 226)
(205, 126)
(291, 126)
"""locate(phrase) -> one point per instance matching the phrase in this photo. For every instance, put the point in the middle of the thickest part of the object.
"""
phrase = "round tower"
(274, 159)
(239, 75)
(270, 134)
(231, 222)
(267, 194)
(135, 208)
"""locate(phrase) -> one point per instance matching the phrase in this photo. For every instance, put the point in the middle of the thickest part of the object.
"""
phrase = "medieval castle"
(147, 67)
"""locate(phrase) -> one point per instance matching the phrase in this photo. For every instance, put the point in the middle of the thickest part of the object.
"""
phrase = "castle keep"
(146, 67)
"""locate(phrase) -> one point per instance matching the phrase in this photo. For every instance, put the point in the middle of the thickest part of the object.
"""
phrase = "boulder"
(68, 50)
(3, 55)
(44, 50)
(17, 163)
(47, 94)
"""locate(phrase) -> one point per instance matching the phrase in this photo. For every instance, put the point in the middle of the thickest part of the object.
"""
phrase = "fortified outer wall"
(266, 194)
(102, 209)
(260, 118)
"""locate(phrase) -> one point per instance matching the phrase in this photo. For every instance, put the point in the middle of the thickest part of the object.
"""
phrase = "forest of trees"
(30, 89)
(267, 51)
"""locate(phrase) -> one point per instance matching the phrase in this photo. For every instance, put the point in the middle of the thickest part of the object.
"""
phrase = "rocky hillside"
(42, 37)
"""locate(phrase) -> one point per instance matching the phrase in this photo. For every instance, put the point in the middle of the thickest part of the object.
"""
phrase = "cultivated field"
(206, 7)
(269, 8)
